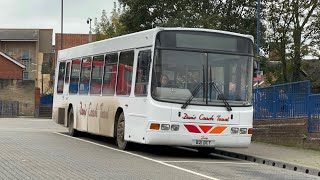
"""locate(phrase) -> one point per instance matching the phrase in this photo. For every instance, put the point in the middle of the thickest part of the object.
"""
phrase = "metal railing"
(283, 101)
(314, 113)
(9, 108)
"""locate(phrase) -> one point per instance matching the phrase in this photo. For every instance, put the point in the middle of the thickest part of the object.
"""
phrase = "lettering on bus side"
(219, 118)
(207, 118)
(186, 116)
(83, 111)
(93, 112)
(202, 117)
(103, 113)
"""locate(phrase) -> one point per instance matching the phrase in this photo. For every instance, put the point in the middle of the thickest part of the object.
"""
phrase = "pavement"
(296, 157)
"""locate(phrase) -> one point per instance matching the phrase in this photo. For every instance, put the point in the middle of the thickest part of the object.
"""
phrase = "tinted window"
(142, 76)
(66, 80)
(60, 83)
(85, 75)
(110, 72)
(96, 77)
(74, 78)
(125, 73)
(204, 40)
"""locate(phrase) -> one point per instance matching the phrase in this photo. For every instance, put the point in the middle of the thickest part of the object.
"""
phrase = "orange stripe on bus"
(218, 130)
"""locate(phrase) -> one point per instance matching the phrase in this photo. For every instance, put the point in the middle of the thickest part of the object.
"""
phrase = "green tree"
(279, 22)
(237, 16)
(109, 27)
(304, 22)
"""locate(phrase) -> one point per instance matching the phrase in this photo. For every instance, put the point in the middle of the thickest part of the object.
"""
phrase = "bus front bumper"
(192, 140)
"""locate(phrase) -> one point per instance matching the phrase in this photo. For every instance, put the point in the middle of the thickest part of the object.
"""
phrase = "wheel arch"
(118, 112)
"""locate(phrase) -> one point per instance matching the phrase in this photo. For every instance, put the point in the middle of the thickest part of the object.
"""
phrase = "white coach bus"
(165, 86)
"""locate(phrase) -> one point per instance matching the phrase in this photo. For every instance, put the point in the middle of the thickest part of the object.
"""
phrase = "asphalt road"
(40, 149)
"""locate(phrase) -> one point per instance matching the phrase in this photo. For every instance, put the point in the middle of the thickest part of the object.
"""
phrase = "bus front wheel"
(121, 142)
(72, 132)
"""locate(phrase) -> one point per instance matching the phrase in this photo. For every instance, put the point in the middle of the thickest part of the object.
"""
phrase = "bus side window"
(110, 72)
(61, 75)
(142, 76)
(66, 80)
(125, 73)
(85, 75)
(74, 77)
(96, 75)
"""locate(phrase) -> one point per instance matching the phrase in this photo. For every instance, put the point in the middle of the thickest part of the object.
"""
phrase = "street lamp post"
(61, 46)
(258, 28)
(90, 34)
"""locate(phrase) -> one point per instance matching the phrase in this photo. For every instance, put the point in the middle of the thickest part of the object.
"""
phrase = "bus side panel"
(107, 111)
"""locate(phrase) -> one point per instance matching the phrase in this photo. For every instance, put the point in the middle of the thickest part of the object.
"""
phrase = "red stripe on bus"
(192, 128)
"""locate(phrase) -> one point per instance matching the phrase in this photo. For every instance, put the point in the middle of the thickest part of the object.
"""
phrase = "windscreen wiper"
(221, 96)
(194, 92)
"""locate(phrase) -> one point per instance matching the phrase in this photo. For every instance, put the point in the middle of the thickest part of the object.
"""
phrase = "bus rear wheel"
(121, 142)
(72, 132)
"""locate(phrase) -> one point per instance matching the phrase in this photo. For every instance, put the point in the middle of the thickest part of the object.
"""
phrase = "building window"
(26, 62)
(25, 75)
(25, 54)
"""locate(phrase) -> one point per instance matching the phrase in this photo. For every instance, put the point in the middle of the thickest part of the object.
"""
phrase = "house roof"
(12, 60)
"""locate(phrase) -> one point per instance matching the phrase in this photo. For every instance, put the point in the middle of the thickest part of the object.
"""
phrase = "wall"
(9, 70)
(45, 40)
(288, 132)
(21, 91)
(71, 40)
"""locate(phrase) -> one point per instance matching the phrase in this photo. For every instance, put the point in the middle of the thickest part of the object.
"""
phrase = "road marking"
(209, 162)
(140, 156)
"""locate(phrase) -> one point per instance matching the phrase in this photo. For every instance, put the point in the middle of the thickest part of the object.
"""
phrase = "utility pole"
(61, 47)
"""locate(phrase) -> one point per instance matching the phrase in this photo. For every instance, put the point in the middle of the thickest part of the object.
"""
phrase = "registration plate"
(203, 142)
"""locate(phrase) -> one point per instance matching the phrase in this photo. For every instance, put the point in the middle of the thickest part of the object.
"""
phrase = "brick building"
(27, 46)
(71, 40)
(10, 68)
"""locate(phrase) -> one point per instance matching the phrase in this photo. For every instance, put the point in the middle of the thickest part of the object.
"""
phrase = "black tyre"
(72, 132)
(122, 144)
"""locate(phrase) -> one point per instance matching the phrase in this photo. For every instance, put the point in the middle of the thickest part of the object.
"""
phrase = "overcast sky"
(46, 14)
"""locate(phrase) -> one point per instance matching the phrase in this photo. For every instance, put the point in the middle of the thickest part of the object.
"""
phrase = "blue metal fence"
(46, 100)
(282, 101)
(314, 113)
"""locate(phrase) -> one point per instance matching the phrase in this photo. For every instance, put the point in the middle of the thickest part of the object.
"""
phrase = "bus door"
(139, 101)
(60, 98)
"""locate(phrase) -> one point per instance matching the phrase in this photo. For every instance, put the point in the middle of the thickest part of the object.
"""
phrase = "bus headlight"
(165, 127)
(174, 127)
(243, 130)
(234, 130)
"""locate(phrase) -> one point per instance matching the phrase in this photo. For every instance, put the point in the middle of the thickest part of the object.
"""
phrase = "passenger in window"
(164, 81)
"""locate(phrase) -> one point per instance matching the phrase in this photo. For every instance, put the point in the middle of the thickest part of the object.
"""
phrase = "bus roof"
(126, 42)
